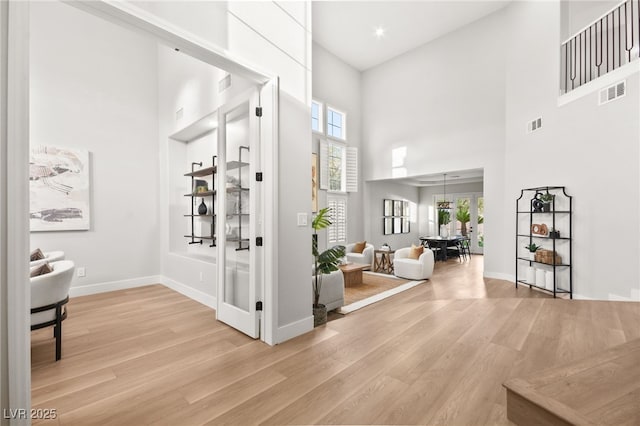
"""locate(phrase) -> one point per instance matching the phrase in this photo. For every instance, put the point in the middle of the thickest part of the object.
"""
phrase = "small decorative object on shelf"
(540, 229)
(546, 199)
(202, 208)
(553, 261)
(532, 250)
(385, 246)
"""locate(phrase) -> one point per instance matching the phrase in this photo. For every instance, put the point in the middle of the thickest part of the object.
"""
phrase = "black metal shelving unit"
(202, 172)
(532, 209)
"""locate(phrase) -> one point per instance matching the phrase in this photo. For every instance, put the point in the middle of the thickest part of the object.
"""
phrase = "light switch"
(302, 219)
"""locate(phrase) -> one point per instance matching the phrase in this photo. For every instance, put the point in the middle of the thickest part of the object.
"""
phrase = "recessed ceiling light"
(380, 32)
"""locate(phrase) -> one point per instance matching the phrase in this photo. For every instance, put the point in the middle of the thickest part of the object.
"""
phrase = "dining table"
(440, 243)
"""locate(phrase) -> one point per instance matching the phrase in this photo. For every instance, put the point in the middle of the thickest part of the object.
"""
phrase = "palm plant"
(463, 216)
(327, 261)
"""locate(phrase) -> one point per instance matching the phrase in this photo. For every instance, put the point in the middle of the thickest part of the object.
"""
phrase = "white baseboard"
(190, 292)
(85, 290)
(294, 329)
(499, 276)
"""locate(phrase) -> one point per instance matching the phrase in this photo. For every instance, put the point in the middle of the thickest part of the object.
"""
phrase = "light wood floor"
(435, 354)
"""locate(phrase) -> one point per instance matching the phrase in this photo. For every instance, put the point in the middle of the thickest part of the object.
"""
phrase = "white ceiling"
(453, 177)
(346, 28)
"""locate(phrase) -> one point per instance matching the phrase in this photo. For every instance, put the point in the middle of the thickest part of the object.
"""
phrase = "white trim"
(86, 290)
(269, 138)
(378, 297)
(601, 82)
(499, 276)
(190, 292)
(184, 289)
(16, 224)
(294, 329)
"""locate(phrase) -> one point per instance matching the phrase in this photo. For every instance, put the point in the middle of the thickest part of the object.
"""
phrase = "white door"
(238, 201)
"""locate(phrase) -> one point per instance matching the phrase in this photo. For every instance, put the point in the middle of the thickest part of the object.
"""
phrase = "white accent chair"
(413, 269)
(364, 258)
(331, 291)
(49, 256)
(49, 295)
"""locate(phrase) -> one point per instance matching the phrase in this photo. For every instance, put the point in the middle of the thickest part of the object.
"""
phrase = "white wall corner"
(190, 292)
(294, 329)
(86, 290)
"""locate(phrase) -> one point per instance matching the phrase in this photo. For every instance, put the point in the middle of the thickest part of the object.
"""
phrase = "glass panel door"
(478, 243)
(238, 151)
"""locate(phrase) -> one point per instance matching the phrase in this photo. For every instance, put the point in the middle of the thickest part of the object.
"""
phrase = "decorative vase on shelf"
(532, 255)
(531, 275)
(202, 208)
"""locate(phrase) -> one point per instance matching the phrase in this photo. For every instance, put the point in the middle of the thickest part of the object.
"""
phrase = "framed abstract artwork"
(59, 189)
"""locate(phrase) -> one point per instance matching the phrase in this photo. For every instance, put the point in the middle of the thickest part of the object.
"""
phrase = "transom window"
(316, 116)
(336, 123)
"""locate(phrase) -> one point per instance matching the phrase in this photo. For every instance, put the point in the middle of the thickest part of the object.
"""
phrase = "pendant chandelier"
(444, 204)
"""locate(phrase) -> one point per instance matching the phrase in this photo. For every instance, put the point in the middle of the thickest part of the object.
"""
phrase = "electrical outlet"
(302, 219)
(81, 272)
(201, 276)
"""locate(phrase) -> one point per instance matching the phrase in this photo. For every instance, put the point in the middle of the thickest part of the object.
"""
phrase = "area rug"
(374, 287)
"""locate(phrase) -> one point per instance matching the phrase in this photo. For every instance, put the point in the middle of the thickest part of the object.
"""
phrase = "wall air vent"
(612, 93)
(534, 125)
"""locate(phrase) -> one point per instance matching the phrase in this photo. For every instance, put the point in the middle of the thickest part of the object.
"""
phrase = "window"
(338, 167)
(316, 116)
(336, 124)
(337, 231)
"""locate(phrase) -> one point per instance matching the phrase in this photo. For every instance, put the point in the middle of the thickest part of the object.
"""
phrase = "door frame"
(14, 144)
(473, 219)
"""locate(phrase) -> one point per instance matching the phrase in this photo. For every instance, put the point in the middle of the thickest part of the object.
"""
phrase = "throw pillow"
(359, 247)
(41, 270)
(36, 255)
(415, 252)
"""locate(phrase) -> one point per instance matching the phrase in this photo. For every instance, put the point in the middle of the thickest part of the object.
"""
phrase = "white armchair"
(413, 269)
(49, 256)
(365, 258)
(332, 289)
(49, 295)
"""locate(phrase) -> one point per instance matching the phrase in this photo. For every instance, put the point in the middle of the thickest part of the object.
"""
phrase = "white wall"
(93, 86)
(337, 84)
(426, 210)
(444, 102)
(578, 14)
(592, 150)
(376, 193)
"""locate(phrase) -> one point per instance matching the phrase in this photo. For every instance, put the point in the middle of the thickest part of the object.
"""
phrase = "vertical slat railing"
(610, 42)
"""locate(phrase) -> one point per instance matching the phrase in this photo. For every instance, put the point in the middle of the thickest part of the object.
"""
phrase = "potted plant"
(546, 199)
(532, 250)
(324, 263)
(444, 217)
